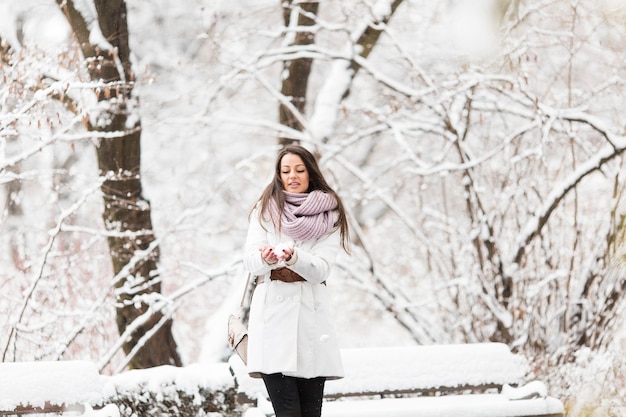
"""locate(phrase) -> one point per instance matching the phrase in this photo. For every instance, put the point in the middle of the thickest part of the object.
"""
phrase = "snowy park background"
(479, 151)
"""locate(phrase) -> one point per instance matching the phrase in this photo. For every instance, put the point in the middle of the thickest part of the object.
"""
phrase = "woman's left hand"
(288, 253)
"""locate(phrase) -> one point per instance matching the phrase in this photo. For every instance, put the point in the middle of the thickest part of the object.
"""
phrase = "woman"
(296, 230)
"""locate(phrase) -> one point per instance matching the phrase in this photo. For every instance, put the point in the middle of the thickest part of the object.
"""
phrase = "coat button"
(296, 298)
(279, 298)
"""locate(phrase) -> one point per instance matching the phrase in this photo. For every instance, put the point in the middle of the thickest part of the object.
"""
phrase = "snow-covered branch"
(39, 271)
(535, 225)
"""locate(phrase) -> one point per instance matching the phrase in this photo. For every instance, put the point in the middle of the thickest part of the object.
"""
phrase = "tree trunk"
(369, 37)
(127, 215)
(296, 72)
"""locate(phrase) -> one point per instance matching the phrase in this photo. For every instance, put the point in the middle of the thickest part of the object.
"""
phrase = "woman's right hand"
(268, 255)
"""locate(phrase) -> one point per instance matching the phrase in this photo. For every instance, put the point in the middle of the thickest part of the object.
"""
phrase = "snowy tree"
(142, 319)
(297, 16)
(109, 112)
(499, 250)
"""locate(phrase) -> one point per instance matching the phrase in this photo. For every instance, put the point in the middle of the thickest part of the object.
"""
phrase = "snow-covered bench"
(482, 379)
(52, 387)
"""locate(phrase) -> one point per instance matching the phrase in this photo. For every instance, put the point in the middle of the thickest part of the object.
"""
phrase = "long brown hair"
(274, 191)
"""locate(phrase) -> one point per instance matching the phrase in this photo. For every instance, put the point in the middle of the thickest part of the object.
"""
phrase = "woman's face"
(293, 174)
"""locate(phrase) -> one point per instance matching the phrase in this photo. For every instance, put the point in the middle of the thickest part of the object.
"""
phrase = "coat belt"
(283, 274)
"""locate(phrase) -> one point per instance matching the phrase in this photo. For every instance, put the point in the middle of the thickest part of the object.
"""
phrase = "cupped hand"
(287, 253)
(268, 254)
(284, 251)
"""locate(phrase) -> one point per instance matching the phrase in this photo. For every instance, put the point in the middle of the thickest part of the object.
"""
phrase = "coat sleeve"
(314, 265)
(256, 237)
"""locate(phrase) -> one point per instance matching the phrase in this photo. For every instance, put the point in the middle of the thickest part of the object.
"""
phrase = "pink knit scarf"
(308, 215)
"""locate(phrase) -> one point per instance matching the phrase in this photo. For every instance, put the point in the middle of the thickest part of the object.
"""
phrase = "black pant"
(295, 397)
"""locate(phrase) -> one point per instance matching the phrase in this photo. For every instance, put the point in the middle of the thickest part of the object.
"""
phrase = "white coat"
(290, 329)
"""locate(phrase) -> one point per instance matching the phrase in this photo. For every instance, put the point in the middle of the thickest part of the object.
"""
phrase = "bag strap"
(248, 290)
(245, 290)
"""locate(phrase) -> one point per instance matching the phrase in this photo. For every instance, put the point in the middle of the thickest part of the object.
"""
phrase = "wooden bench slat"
(48, 407)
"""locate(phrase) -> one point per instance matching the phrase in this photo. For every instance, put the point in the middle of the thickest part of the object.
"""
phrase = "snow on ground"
(367, 370)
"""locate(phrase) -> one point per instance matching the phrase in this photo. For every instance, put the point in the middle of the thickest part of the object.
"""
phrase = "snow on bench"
(436, 380)
(427, 369)
(52, 387)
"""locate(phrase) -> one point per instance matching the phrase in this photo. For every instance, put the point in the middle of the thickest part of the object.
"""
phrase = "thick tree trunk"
(296, 72)
(127, 215)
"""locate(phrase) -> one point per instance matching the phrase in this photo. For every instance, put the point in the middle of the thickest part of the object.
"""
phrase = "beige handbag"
(237, 331)
(238, 337)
